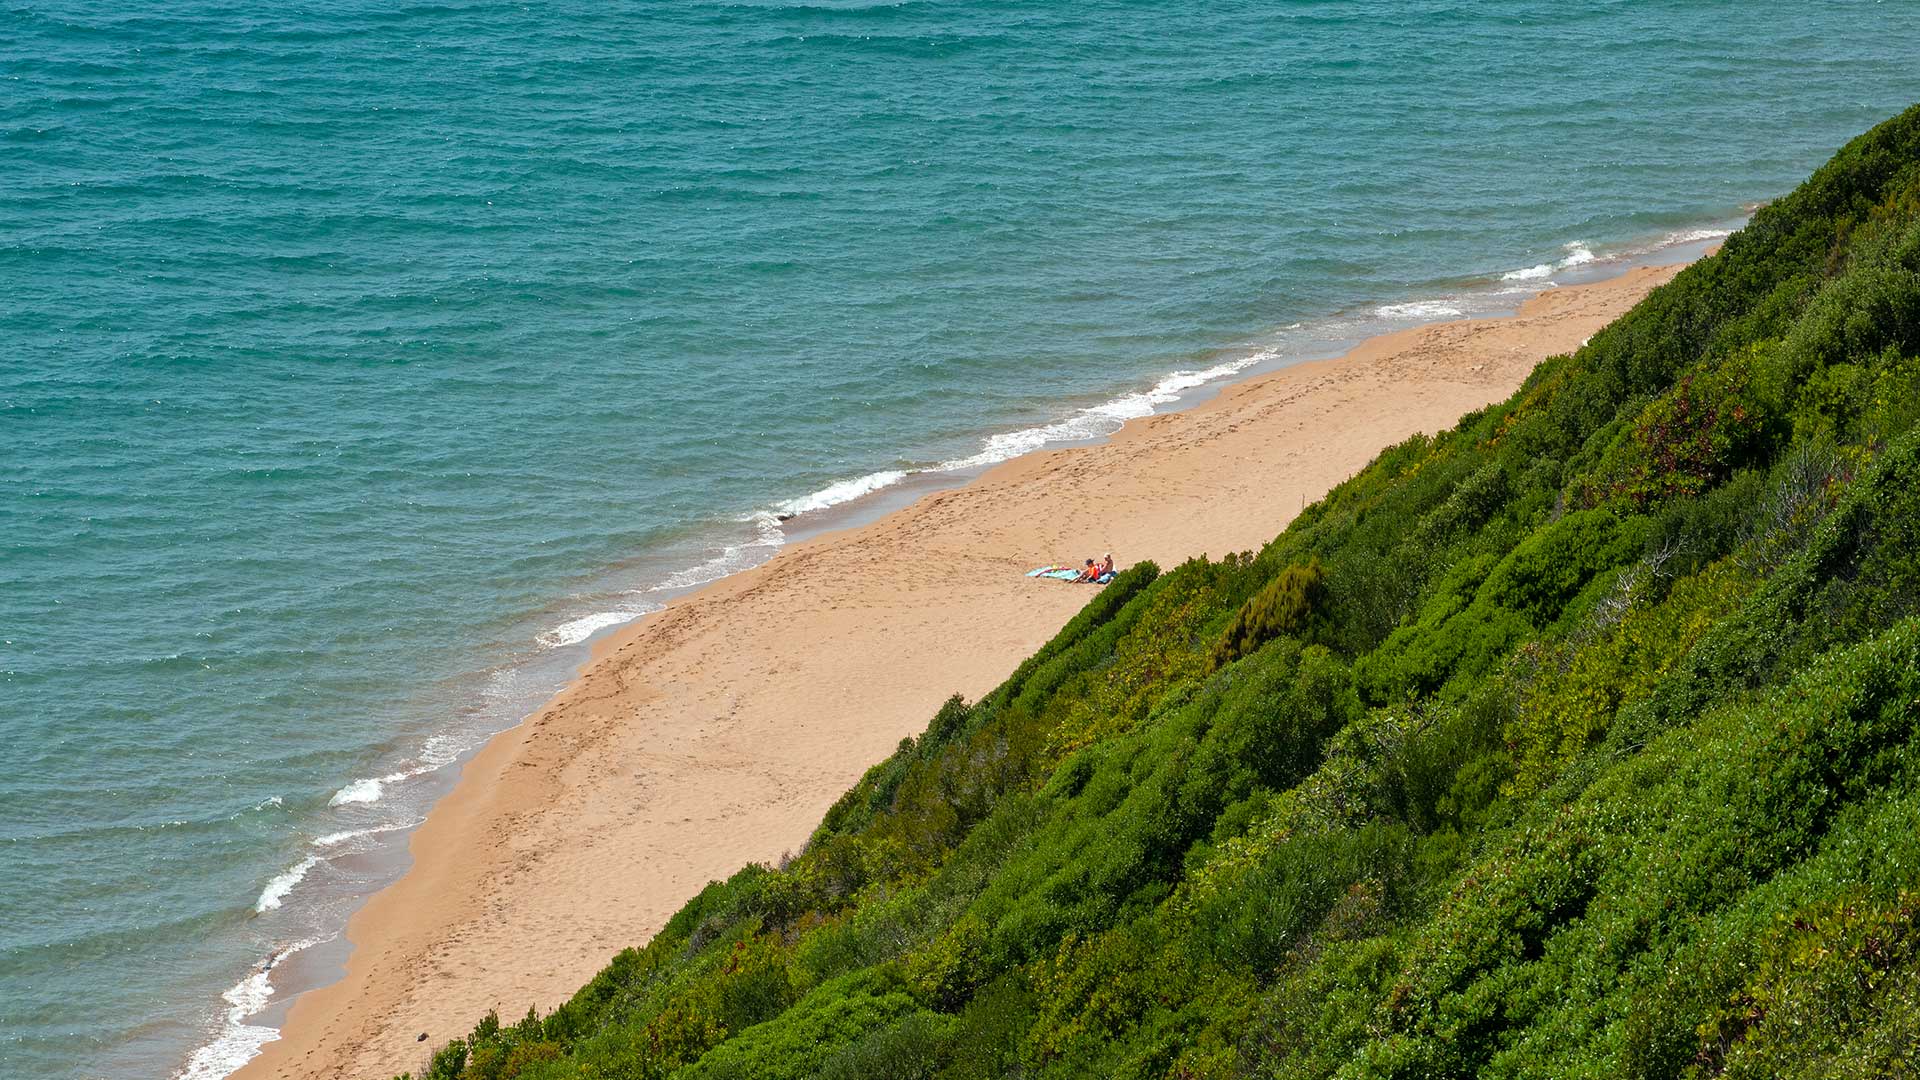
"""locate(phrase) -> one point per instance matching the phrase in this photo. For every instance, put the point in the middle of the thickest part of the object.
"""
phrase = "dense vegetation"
(1582, 740)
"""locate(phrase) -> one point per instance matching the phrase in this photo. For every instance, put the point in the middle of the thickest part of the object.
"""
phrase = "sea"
(360, 361)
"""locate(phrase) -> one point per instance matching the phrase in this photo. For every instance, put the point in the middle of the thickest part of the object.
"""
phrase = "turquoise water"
(358, 360)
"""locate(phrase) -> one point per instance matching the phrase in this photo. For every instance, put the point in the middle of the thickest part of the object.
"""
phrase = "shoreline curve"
(717, 731)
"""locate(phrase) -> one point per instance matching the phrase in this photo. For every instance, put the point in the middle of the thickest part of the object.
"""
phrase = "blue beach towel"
(1064, 573)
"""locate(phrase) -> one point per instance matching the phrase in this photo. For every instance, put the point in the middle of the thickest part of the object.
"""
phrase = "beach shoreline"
(717, 731)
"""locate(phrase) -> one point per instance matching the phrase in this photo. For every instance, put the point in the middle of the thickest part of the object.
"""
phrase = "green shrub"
(1285, 606)
(1571, 690)
(800, 1041)
(1691, 437)
(917, 1047)
(1836, 993)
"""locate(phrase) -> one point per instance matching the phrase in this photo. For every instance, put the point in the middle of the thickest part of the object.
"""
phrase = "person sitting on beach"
(1091, 573)
(1106, 565)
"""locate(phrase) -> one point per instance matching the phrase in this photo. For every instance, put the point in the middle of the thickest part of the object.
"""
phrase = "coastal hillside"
(1580, 740)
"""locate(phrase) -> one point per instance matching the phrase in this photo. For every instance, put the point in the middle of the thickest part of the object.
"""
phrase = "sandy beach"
(718, 731)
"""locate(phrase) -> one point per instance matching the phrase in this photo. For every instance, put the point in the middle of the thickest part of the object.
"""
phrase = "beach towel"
(1065, 573)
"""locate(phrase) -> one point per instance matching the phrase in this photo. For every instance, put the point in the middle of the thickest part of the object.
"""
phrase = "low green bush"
(1284, 606)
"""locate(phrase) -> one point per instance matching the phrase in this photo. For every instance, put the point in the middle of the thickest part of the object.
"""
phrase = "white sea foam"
(575, 631)
(364, 790)
(446, 747)
(1100, 420)
(732, 558)
(1692, 236)
(239, 1042)
(1421, 309)
(843, 491)
(277, 889)
(369, 789)
(1578, 254)
(1537, 272)
(338, 838)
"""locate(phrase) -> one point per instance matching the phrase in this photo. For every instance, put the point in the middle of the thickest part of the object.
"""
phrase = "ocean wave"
(277, 889)
(364, 790)
(239, 1042)
(843, 491)
(1691, 236)
(335, 839)
(444, 749)
(575, 631)
(1537, 272)
(369, 789)
(1100, 420)
(1578, 253)
(1421, 309)
(732, 558)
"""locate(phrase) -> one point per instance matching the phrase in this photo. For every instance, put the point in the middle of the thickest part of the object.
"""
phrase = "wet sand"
(718, 731)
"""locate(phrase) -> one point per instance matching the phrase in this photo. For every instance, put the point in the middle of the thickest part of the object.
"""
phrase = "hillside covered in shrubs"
(1582, 740)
